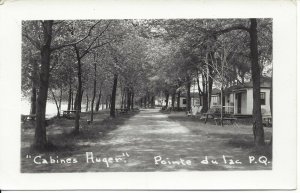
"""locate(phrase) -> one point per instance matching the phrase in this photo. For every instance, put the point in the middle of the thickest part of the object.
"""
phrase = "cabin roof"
(265, 82)
(214, 91)
(193, 95)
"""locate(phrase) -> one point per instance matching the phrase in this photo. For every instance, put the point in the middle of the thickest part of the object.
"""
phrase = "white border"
(283, 175)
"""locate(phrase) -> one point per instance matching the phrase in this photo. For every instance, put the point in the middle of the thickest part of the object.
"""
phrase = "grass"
(60, 135)
(145, 135)
(237, 136)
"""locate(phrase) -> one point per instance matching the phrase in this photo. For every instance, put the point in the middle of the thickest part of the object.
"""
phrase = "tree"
(205, 33)
(119, 62)
(258, 126)
(30, 68)
(81, 49)
(47, 37)
(45, 50)
(238, 25)
(116, 67)
(60, 73)
(113, 96)
(94, 88)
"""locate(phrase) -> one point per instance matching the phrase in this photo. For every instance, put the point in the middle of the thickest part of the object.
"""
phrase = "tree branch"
(61, 24)
(94, 40)
(78, 41)
(58, 22)
(229, 29)
(32, 41)
(97, 46)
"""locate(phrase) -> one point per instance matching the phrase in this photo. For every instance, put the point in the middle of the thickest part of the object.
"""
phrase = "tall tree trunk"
(128, 98)
(167, 98)
(132, 100)
(102, 106)
(34, 75)
(87, 103)
(106, 102)
(210, 84)
(188, 100)
(145, 102)
(222, 105)
(70, 97)
(205, 94)
(113, 96)
(40, 139)
(109, 101)
(98, 101)
(271, 98)
(33, 100)
(200, 93)
(76, 99)
(60, 99)
(125, 98)
(122, 98)
(173, 99)
(271, 106)
(243, 78)
(81, 96)
(56, 104)
(153, 102)
(94, 92)
(148, 100)
(257, 118)
(205, 103)
(72, 100)
(79, 91)
(178, 100)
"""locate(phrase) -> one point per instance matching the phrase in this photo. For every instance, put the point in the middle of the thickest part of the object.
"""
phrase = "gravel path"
(153, 141)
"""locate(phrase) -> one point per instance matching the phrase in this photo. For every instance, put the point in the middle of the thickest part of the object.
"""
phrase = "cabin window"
(262, 98)
(184, 101)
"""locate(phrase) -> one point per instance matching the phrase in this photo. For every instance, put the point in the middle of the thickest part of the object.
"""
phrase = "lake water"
(51, 110)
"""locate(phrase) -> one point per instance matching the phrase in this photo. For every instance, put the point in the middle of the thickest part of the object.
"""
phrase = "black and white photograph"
(148, 96)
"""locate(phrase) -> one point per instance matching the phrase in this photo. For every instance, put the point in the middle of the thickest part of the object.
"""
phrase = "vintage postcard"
(152, 95)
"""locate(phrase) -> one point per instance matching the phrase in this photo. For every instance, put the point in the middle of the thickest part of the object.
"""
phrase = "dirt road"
(153, 141)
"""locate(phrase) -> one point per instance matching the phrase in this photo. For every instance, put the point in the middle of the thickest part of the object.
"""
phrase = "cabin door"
(239, 102)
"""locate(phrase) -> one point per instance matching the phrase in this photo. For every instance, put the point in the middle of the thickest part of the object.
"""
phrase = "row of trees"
(78, 57)
(214, 52)
(132, 61)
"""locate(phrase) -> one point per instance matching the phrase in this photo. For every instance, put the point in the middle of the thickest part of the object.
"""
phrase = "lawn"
(65, 143)
(146, 141)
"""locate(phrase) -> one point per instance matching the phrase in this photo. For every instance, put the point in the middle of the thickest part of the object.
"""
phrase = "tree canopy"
(130, 62)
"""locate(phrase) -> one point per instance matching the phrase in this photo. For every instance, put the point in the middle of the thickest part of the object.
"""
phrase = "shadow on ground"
(63, 142)
(241, 137)
(147, 136)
